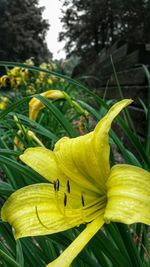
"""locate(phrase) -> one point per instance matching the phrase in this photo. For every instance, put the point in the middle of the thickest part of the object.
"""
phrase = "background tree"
(90, 26)
(22, 31)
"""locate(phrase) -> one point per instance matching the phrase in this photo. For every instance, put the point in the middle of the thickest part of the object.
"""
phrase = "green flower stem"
(66, 258)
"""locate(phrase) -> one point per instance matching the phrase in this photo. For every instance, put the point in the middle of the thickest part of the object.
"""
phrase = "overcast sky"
(52, 13)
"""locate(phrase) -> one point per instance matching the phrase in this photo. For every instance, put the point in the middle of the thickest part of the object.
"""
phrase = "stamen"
(68, 186)
(65, 199)
(56, 185)
(82, 200)
(56, 189)
(36, 211)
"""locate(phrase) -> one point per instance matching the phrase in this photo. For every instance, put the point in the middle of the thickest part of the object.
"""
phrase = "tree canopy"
(22, 31)
(90, 26)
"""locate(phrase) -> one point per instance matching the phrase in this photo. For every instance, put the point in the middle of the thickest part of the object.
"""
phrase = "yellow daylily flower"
(30, 61)
(36, 105)
(18, 72)
(30, 90)
(5, 81)
(83, 189)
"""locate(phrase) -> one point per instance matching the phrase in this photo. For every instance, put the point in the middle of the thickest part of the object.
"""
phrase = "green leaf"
(36, 127)
(11, 262)
(147, 144)
(130, 245)
(5, 189)
(29, 174)
(19, 253)
(13, 106)
(59, 116)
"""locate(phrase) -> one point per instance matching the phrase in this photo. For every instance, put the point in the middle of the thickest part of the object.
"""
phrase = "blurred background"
(31, 28)
(87, 39)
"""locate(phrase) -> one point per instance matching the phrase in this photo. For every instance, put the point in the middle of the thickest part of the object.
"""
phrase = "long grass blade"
(59, 116)
(11, 262)
(147, 143)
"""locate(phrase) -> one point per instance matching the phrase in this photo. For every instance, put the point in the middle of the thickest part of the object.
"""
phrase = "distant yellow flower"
(4, 81)
(54, 79)
(39, 81)
(48, 66)
(18, 81)
(30, 61)
(3, 102)
(52, 66)
(30, 90)
(18, 72)
(36, 105)
(18, 143)
(14, 71)
(3, 106)
(4, 99)
(24, 73)
(17, 76)
(50, 81)
(83, 189)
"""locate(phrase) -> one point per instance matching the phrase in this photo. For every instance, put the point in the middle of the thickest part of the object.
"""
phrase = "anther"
(56, 185)
(65, 199)
(82, 200)
(68, 186)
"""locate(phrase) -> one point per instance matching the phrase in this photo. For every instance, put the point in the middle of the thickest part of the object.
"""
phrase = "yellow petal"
(66, 258)
(128, 195)
(86, 159)
(43, 161)
(100, 138)
(35, 105)
(39, 210)
(75, 158)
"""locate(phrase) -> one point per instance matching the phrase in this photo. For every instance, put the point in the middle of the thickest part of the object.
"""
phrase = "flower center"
(56, 185)
(71, 201)
(74, 205)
